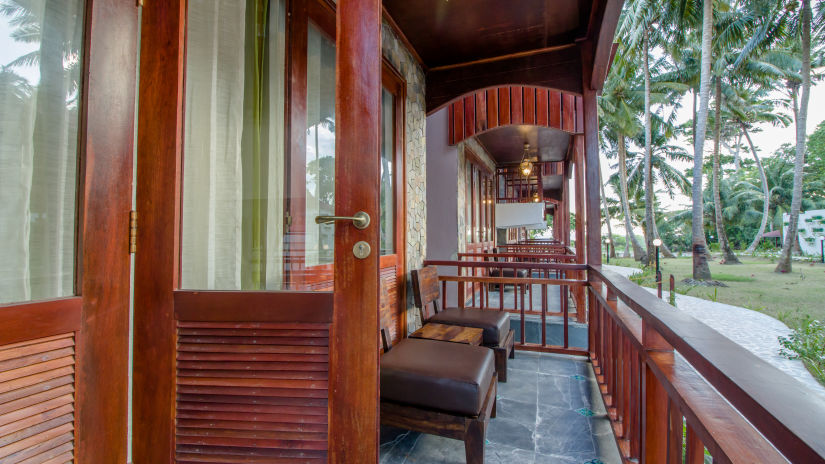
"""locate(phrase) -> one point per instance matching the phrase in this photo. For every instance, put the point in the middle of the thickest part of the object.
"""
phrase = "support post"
(592, 194)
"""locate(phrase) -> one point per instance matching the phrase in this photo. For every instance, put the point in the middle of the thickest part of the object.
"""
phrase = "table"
(449, 333)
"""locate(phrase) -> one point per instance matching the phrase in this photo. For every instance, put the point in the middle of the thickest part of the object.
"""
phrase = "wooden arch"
(488, 109)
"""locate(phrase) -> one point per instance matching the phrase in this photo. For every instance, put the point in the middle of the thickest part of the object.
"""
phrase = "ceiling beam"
(556, 68)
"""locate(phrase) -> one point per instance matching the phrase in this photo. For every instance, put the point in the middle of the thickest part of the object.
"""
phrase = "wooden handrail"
(508, 265)
(789, 415)
(541, 256)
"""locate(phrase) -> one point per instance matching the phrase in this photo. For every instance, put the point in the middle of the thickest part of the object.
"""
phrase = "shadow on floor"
(549, 412)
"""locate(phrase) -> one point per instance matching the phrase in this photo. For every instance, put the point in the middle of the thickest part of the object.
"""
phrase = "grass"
(790, 298)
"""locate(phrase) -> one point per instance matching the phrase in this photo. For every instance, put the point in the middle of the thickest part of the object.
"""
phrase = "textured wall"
(415, 153)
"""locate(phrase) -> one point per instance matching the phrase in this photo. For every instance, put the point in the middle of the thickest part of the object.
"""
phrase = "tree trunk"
(728, 257)
(638, 252)
(766, 203)
(784, 264)
(611, 246)
(701, 270)
(664, 248)
(737, 161)
(648, 177)
(626, 245)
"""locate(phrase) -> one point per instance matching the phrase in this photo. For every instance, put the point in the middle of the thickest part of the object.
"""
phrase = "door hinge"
(132, 231)
(287, 220)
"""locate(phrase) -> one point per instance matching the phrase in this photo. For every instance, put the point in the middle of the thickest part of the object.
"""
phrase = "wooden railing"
(539, 278)
(675, 388)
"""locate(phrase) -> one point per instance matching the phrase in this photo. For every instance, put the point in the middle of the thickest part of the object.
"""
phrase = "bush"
(807, 343)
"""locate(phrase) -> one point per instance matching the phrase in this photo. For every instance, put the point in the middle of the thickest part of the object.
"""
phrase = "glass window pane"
(387, 173)
(320, 147)
(40, 71)
(233, 179)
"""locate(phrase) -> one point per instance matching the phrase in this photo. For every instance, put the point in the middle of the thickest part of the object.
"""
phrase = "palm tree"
(801, 118)
(701, 270)
(724, 245)
(619, 122)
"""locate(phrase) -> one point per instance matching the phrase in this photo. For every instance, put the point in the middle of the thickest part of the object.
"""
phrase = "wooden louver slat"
(37, 401)
(251, 392)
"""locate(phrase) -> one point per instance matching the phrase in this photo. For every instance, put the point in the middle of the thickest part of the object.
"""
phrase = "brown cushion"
(508, 273)
(450, 377)
(496, 324)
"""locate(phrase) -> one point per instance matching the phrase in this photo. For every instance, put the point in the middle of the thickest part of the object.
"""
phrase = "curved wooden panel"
(513, 104)
(37, 400)
(251, 392)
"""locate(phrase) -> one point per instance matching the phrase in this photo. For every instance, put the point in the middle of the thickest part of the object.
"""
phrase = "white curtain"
(213, 230)
(39, 94)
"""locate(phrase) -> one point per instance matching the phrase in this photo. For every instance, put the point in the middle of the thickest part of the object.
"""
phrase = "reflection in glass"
(320, 147)
(387, 173)
(233, 179)
(40, 71)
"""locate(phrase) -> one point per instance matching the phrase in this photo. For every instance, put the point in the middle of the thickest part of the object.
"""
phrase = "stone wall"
(415, 158)
(463, 179)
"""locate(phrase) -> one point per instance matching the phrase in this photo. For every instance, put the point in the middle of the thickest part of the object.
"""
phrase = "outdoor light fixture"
(657, 242)
(822, 248)
(526, 166)
(536, 197)
(607, 241)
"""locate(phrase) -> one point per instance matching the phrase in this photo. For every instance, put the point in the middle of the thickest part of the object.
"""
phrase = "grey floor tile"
(522, 387)
(430, 449)
(510, 433)
(503, 454)
(518, 411)
(524, 361)
(564, 432)
(559, 365)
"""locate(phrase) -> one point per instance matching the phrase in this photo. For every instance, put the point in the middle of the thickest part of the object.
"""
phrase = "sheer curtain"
(40, 63)
(233, 175)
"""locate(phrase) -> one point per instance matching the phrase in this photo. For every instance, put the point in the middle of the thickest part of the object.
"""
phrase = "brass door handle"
(360, 220)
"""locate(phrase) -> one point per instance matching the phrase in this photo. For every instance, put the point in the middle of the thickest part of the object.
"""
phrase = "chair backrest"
(426, 291)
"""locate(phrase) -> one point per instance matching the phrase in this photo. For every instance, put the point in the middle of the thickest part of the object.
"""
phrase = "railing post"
(655, 403)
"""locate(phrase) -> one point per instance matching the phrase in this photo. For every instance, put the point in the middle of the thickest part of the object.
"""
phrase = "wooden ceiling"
(448, 32)
(506, 144)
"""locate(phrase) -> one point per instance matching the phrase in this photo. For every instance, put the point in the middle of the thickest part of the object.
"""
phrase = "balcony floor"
(549, 412)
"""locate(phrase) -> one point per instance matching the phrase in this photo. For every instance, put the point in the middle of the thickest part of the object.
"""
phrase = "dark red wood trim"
(107, 142)
(353, 376)
(39, 319)
(486, 110)
(158, 203)
(469, 116)
(227, 306)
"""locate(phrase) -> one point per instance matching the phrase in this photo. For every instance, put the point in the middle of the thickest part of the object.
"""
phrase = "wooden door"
(255, 327)
(65, 183)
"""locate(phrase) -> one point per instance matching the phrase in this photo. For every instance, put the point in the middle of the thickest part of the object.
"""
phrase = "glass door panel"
(40, 73)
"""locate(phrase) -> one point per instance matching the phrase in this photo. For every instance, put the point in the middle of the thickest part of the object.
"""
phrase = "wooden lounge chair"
(440, 388)
(496, 324)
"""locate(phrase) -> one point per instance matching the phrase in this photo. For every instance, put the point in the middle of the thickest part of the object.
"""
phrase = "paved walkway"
(756, 332)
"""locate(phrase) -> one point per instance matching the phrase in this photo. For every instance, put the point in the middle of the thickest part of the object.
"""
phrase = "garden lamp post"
(657, 243)
(607, 242)
(822, 248)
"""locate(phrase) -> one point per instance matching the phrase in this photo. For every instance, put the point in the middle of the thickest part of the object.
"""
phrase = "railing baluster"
(521, 287)
(565, 315)
(655, 406)
(443, 295)
(674, 439)
(694, 449)
(544, 315)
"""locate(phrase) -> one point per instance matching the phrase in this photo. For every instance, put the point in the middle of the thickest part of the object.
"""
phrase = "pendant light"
(526, 166)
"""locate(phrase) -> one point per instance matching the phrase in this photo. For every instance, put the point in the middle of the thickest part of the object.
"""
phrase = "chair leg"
(501, 363)
(493, 411)
(474, 442)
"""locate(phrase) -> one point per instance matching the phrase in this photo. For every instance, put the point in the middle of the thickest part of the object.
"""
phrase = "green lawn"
(754, 285)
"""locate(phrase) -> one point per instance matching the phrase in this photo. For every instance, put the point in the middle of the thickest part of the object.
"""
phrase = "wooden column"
(591, 180)
(160, 128)
(581, 222)
(353, 379)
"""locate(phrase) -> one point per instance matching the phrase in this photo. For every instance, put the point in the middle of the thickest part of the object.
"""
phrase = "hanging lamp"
(526, 166)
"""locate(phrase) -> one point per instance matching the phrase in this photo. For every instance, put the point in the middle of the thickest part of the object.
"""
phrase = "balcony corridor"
(549, 412)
